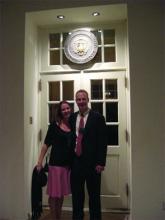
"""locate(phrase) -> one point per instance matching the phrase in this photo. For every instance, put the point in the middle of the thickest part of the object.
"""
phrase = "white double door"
(107, 95)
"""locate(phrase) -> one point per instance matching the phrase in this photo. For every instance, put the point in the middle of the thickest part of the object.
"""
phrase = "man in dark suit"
(89, 158)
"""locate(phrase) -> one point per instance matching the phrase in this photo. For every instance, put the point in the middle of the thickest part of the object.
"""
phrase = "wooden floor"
(67, 215)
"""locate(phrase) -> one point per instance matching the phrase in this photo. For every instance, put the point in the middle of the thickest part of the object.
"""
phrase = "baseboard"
(120, 211)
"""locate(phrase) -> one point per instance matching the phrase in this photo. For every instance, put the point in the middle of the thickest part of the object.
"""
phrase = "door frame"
(128, 155)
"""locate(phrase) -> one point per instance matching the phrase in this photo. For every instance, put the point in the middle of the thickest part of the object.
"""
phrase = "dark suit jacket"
(94, 142)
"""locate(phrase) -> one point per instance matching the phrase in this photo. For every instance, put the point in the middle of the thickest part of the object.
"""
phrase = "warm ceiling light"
(95, 13)
(60, 16)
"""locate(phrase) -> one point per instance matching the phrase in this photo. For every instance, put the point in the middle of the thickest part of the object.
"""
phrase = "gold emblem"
(80, 47)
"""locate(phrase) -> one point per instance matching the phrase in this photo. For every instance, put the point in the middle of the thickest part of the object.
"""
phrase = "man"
(89, 160)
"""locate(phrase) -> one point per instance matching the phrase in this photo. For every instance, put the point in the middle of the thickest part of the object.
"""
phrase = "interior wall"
(31, 124)
(164, 62)
(145, 24)
(146, 70)
(1, 28)
(12, 114)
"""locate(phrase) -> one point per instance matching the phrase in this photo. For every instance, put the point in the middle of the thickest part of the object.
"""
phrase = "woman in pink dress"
(59, 137)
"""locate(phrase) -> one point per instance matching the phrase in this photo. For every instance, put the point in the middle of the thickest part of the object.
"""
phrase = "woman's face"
(65, 110)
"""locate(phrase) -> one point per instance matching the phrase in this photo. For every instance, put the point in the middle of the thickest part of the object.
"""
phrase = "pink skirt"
(58, 181)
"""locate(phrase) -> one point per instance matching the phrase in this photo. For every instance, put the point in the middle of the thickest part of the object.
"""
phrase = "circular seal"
(81, 46)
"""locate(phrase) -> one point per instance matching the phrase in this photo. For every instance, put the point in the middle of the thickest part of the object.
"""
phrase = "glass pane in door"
(109, 54)
(54, 91)
(96, 89)
(52, 112)
(98, 36)
(65, 35)
(97, 106)
(54, 57)
(111, 89)
(54, 40)
(112, 111)
(68, 87)
(109, 36)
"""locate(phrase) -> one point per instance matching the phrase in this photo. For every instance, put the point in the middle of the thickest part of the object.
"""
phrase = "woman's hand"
(39, 166)
(41, 157)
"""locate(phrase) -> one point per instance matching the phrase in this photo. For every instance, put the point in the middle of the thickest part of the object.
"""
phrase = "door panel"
(107, 95)
(55, 89)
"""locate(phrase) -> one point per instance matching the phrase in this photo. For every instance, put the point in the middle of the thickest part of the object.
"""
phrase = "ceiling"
(80, 15)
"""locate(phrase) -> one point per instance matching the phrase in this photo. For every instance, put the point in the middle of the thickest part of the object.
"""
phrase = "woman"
(59, 137)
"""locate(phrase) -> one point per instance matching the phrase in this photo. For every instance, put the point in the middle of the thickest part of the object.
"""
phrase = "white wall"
(146, 80)
(146, 71)
(12, 115)
(31, 100)
(164, 84)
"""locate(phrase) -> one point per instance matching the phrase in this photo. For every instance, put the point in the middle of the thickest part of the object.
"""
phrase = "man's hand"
(99, 168)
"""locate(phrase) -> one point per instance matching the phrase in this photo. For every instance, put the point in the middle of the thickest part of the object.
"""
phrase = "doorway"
(107, 94)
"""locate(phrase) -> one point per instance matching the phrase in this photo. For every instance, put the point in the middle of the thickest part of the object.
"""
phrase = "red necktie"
(79, 137)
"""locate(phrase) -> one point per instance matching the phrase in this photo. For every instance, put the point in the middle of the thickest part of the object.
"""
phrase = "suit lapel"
(88, 120)
(74, 121)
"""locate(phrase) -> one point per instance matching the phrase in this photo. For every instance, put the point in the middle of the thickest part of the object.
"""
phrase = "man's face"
(82, 101)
